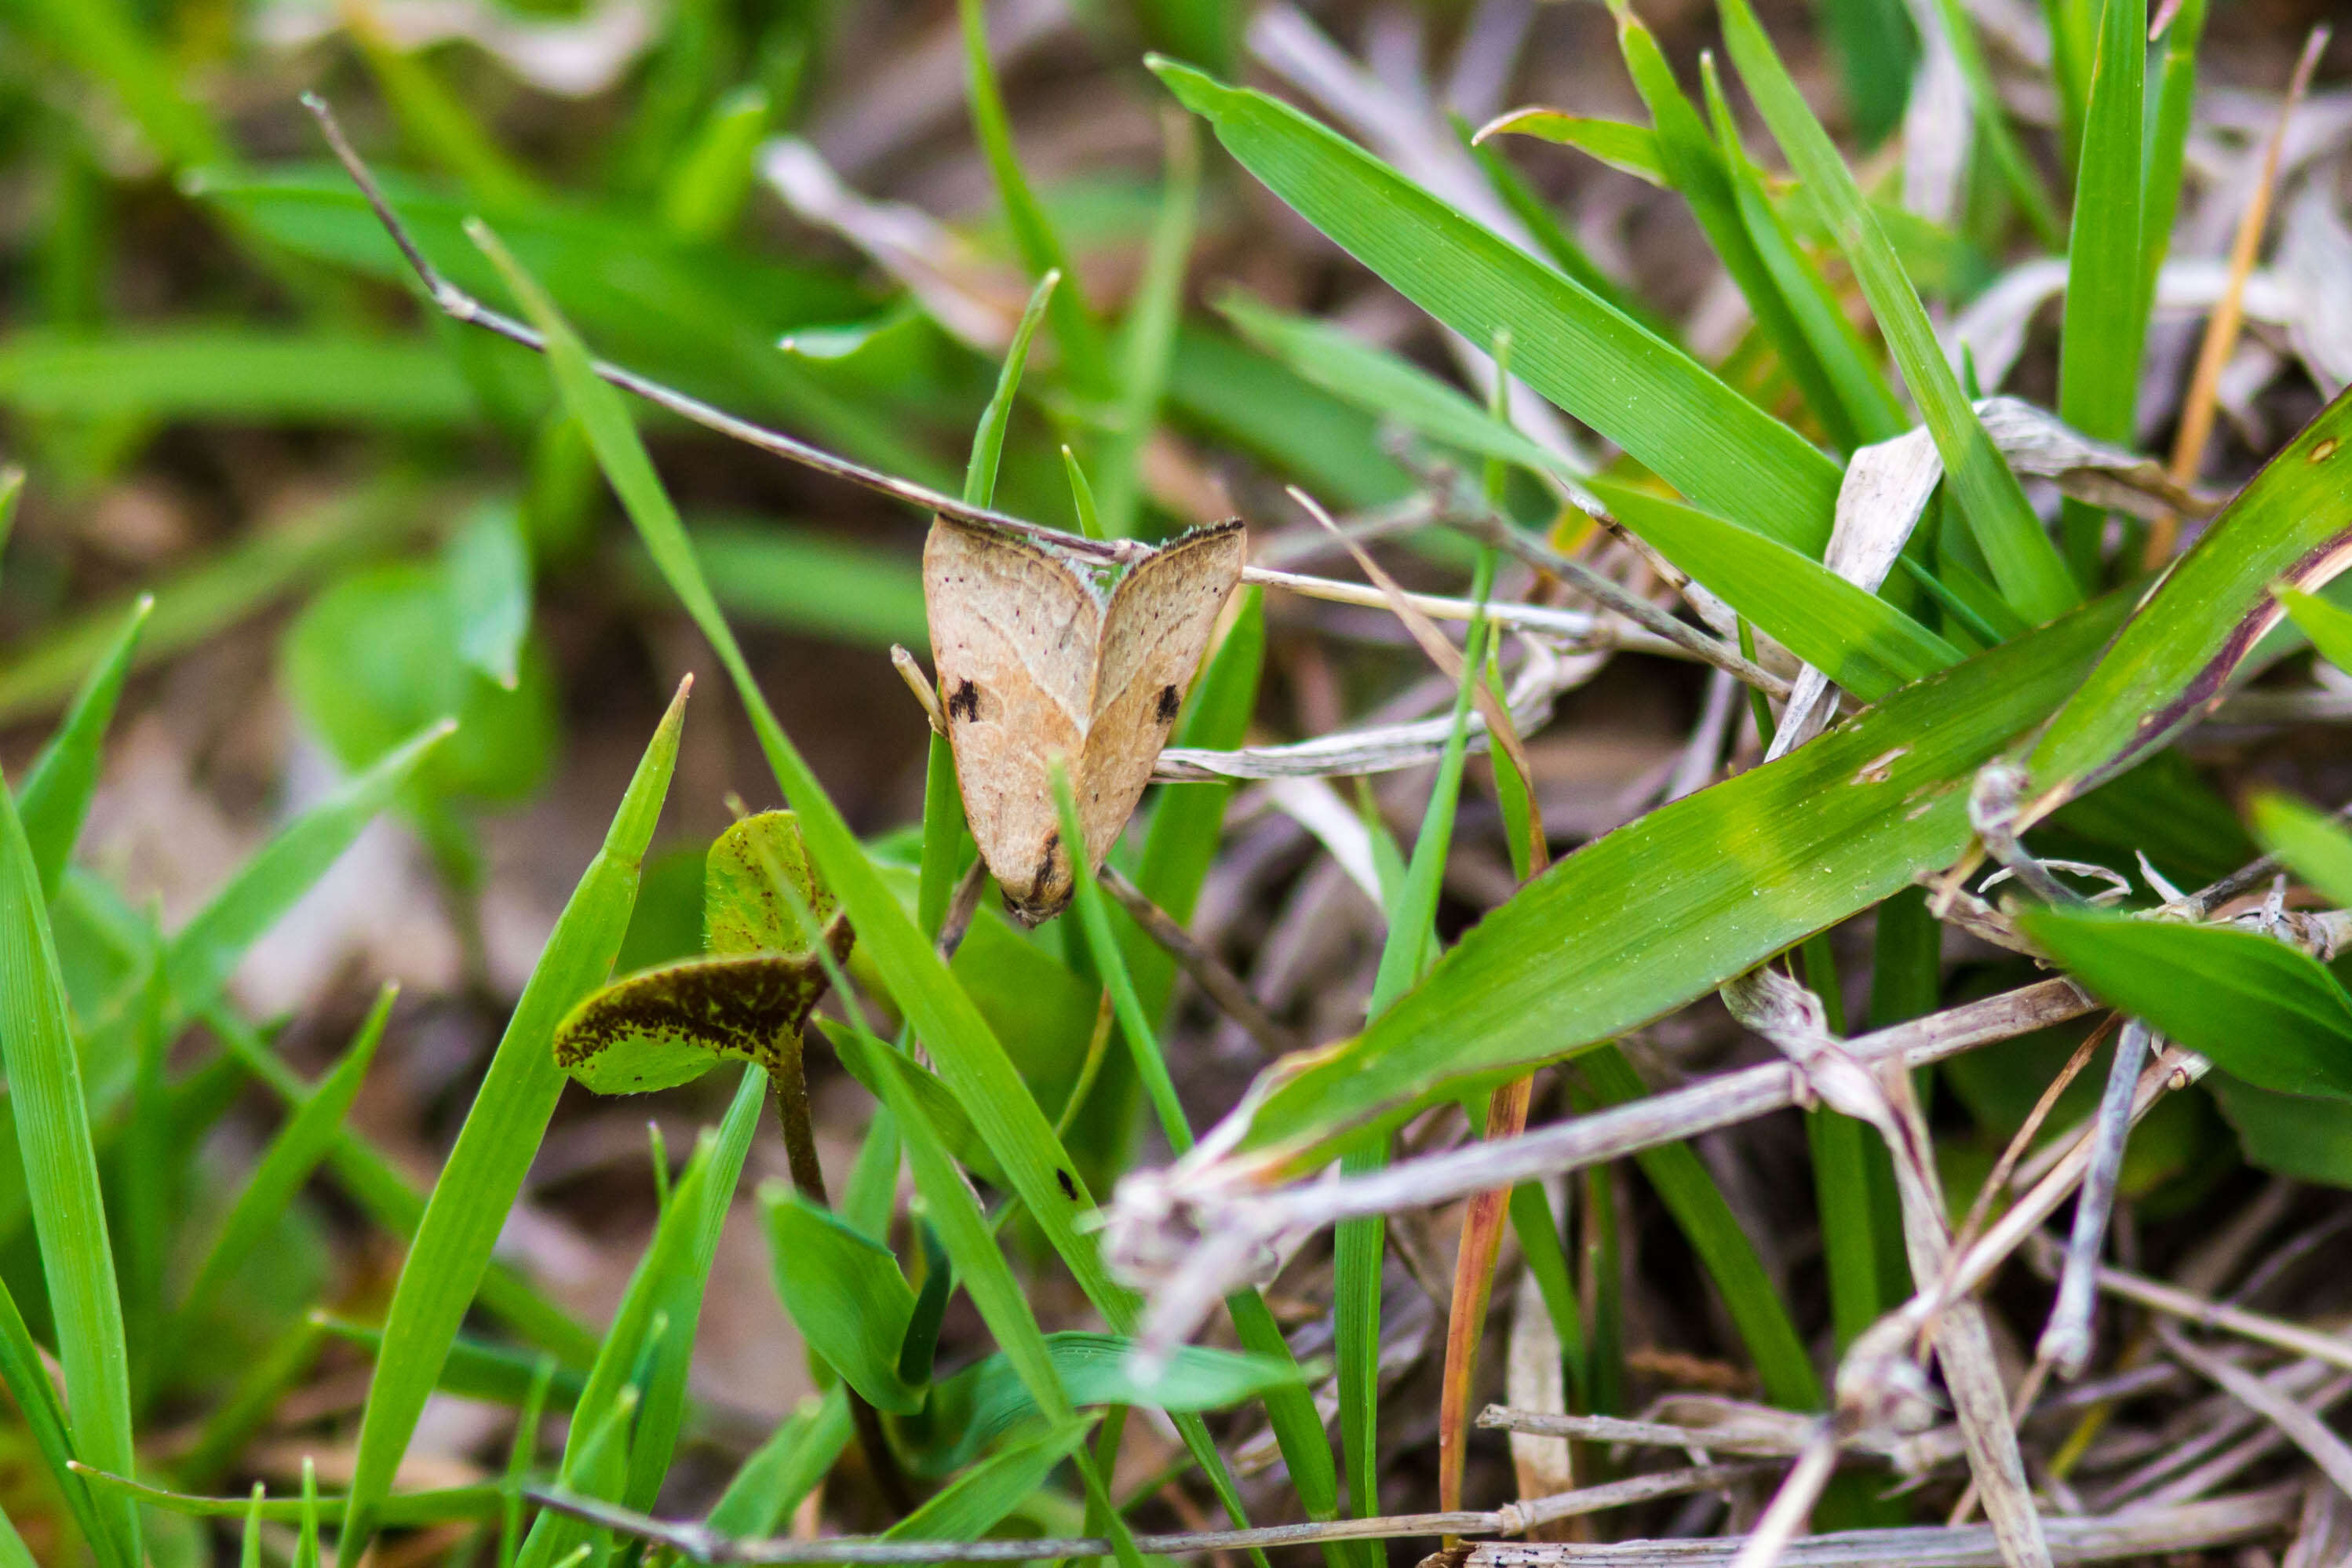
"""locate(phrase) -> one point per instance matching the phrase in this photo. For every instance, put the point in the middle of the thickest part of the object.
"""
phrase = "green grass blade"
(2027, 566)
(27, 1375)
(972, 1505)
(2312, 843)
(2289, 523)
(1876, 50)
(234, 373)
(287, 1164)
(55, 796)
(1670, 906)
(2327, 624)
(206, 951)
(702, 197)
(1544, 225)
(409, 1510)
(987, 439)
(2168, 141)
(1148, 338)
(2106, 308)
(1085, 353)
(2017, 171)
(1620, 144)
(78, 1265)
(969, 1058)
(1567, 343)
(107, 42)
(501, 1134)
(1849, 633)
(1724, 1250)
(783, 1470)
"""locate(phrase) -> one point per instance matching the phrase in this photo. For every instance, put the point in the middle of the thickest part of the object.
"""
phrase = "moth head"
(1045, 891)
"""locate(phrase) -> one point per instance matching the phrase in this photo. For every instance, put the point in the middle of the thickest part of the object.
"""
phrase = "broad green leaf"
(741, 909)
(385, 651)
(2106, 308)
(55, 796)
(968, 1507)
(1386, 383)
(500, 1137)
(46, 1098)
(845, 1294)
(487, 568)
(1849, 633)
(2303, 1136)
(1643, 392)
(2313, 844)
(2259, 1008)
(974, 1407)
(2178, 652)
(1670, 906)
(1620, 145)
(2326, 623)
(2024, 561)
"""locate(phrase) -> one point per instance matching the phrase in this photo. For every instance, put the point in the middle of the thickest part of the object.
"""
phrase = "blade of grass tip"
(1551, 235)
(305, 1544)
(2031, 572)
(27, 1376)
(1404, 954)
(701, 199)
(500, 1137)
(57, 790)
(1086, 356)
(2105, 321)
(2220, 339)
(785, 1469)
(78, 1264)
(1082, 497)
(969, 1058)
(284, 1167)
(206, 951)
(249, 1551)
(1147, 338)
(2168, 141)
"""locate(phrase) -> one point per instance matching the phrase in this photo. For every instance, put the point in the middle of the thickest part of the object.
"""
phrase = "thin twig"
(1220, 983)
(2066, 1342)
(2006, 1167)
(1781, 1443)
(1518, 1518)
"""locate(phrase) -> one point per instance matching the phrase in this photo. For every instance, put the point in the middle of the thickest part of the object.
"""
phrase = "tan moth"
(1036, 659)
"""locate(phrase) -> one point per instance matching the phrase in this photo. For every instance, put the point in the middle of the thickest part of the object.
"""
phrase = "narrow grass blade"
(704, 194)
(1723, 879)
(2017, 170)
(108, 42)
(55, 796)
(2326, 623)
(408, 1510)
(1849, 633)
(2311, 842)
(78, 1264)
(2168, 141)
(968, 1507)
(249, 1407)
(2291, 524)
(1724, 1250)
(1640, 390)
(987, 439)
(27, 1375)
(1147, 341)
(501, 1134)
(206, 951)
(1876, 51)
(1620, 144)
(2027, 566)
(286, 1165)
(225, 374)
(783, 1470)
(2106, 308)
(969, 1058)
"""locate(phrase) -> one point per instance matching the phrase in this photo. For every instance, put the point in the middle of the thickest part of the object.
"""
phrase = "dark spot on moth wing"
(965, 702)
(1069, 1186)
(1049, 887)
(1171, 702)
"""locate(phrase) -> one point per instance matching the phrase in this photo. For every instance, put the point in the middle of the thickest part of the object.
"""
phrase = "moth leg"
(920, 685)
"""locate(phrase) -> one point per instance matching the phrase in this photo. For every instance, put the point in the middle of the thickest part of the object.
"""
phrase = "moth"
(1038, 657)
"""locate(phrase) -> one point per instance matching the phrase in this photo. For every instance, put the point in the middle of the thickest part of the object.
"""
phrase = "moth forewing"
(1036, 661)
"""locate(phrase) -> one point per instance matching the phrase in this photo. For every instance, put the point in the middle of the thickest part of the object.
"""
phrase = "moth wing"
(1014, 630)
(1154, 635)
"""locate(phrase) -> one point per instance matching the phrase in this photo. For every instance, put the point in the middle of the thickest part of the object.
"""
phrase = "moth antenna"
(461, 306)
(920, 685)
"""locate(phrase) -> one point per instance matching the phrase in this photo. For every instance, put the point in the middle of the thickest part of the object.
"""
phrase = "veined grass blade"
(2027, 566)
(1730, 875)
(1620, 143)
(1598, 364)
(2107, 306)
(501, 1134)
(1545, 227)
(55, 796)
(968, 1056)
(1700, 173)
(783, 1470)
(206, 951)
(46, 1096)
(1851, 634)
(1724, 1250)
(286, 1165)
(2289, 524)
